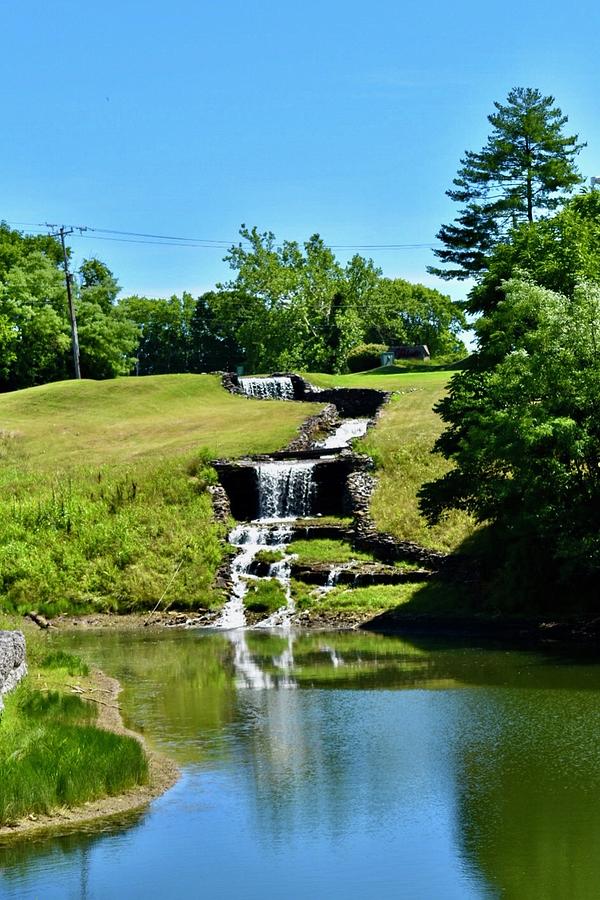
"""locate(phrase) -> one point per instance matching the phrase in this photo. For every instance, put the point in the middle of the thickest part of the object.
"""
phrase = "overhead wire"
(137, 237)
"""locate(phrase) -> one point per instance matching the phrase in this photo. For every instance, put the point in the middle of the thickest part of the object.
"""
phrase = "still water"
(342, 765)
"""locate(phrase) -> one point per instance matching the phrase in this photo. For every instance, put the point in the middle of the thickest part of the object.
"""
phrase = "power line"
(138, 237)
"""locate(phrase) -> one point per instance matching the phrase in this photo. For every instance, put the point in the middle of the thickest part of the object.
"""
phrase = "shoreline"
(162, 771)
(520, 630)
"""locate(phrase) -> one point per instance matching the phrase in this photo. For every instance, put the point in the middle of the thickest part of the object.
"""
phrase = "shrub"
(365, 356)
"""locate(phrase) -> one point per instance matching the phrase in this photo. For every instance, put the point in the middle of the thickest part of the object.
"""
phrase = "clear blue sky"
(344, 118)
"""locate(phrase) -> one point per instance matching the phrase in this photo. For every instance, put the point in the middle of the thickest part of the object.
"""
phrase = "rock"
(13, 666)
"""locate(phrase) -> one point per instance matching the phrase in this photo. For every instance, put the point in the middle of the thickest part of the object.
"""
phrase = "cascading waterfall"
(279, 387)
(249, 539)
(285, 489)
(285, 492)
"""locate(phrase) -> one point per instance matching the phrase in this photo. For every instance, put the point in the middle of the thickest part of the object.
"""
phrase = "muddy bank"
(163, 773)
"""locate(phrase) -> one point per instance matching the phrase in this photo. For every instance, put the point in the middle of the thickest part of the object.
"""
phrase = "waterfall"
(279, 387)
(249, 539)
(344, 433)
(285, 489)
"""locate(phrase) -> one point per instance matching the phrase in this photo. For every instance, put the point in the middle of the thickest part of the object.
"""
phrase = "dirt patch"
(163, 773)
(171, 618)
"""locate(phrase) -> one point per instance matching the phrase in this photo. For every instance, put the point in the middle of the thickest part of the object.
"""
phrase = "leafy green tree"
(163, 327)
(556, 252)
(37, 337)
(399, 312)
(524, 170)
(213, 343)
(300, 305)
(524, 436)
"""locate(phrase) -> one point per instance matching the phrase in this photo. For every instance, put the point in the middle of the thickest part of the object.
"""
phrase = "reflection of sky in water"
(340, 788)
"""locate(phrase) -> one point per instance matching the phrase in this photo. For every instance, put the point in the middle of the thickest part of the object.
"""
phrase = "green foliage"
(523, 433)
(67, 707)
(327, 550)
(113, 541)
(365, 356)
(294, 307)
(268, 557)
(403, 313)
(264, 596)
(525, 168)
(555, 252)
(35, 338)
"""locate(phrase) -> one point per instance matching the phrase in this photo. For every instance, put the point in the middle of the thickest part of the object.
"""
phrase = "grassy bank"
(51, 753)
(103, 490)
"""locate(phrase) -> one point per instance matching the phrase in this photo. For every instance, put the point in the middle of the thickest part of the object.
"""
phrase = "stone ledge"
(13, 666)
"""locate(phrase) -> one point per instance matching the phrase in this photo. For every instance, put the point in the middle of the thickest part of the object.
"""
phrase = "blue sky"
(343, 118)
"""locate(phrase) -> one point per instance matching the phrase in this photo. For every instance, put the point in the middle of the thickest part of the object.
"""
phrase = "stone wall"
(13, 666)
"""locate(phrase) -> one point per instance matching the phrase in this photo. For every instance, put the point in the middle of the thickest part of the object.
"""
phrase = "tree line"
(286, 306)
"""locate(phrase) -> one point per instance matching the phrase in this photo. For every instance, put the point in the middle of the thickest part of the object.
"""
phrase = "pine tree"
(525, 169)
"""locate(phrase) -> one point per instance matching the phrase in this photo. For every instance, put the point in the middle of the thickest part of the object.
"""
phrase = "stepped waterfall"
(286, 492)
(278, 387)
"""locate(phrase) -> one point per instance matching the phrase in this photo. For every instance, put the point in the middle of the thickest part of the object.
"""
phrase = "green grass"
(264, 596)
(71, 664)
(326, 550)
(119, 421)
(363, 602)
(401, 446)
(268, 557)
(103, 501)
(391, 378)
(51, 753)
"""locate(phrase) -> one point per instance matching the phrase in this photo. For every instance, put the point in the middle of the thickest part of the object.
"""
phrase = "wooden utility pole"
(61, 232)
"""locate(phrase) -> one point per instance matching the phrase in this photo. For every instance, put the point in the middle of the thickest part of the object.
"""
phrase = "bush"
(365, 356)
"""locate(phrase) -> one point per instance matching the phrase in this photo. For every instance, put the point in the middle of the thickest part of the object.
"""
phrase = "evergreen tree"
(524, 170)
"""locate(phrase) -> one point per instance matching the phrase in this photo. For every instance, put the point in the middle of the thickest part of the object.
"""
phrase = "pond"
(342, 765)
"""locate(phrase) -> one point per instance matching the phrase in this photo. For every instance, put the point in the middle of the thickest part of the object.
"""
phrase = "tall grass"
(51, 755)
(99, 539)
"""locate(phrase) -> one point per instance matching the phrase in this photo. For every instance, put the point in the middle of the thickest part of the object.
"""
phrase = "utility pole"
(61, 232)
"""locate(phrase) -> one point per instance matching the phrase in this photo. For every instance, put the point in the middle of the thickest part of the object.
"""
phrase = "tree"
(556, 252)
(525, 169)
(403, 313)
(524, 436)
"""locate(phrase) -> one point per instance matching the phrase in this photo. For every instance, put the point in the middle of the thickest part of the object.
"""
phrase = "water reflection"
(345, 765)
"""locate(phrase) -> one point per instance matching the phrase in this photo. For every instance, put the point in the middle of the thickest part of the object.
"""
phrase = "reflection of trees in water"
(529, 781)
(513, 767)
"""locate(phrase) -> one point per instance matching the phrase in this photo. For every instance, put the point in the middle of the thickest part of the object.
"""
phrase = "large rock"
(13, 666)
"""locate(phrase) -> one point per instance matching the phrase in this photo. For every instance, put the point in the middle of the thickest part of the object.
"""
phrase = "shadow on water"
(363, 764)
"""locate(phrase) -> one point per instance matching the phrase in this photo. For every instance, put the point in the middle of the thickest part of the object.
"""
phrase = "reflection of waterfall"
(277, 388)
(248, 672)
(285, 489)
(345, 433)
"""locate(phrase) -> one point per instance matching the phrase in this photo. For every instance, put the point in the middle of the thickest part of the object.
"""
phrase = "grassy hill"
(103, 502)
(123, 420)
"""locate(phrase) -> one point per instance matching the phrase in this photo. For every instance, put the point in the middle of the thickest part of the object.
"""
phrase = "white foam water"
(285, 489)
(250, 539)
(344, 434)
(279, 387)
